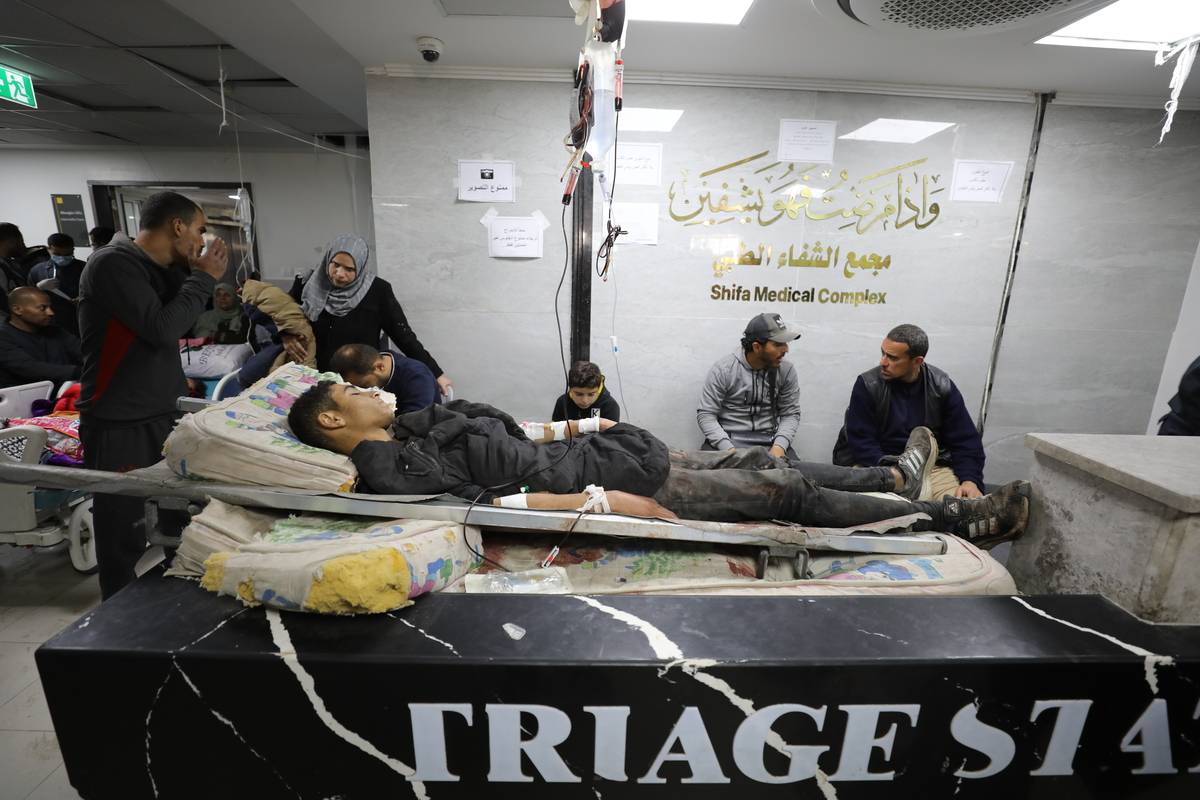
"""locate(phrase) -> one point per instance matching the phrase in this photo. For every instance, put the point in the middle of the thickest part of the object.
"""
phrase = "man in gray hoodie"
(752, 396)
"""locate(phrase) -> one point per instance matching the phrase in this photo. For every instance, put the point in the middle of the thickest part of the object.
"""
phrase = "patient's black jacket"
(475, 451)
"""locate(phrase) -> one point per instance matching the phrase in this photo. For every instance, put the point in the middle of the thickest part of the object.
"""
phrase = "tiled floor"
(40, 594)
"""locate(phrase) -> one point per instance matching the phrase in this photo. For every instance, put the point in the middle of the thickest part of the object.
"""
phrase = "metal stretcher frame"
(159, 481)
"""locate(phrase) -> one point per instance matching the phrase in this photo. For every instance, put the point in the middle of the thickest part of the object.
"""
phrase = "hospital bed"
(45, 516)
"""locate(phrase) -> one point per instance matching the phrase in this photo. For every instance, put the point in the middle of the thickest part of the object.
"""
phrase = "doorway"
(228, 208)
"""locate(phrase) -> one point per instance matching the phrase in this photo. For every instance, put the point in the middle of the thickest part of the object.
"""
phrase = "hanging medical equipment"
(597, 96)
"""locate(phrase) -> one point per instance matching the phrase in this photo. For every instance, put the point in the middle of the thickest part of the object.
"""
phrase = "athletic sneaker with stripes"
(916, 463)
(989, 520)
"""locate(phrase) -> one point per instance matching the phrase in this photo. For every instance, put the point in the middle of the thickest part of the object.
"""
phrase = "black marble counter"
(169, 691)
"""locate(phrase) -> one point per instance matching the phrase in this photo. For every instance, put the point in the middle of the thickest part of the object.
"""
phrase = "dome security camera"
(431, 48)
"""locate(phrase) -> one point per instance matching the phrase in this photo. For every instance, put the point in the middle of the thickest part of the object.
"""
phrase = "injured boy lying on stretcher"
(481, 454)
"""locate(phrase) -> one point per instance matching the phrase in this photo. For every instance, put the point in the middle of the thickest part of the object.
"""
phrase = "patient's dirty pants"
(116, 520)
(732, 488)
(827, 476)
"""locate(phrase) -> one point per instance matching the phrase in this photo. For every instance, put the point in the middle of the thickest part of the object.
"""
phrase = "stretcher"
(225, 450)
(162, 488)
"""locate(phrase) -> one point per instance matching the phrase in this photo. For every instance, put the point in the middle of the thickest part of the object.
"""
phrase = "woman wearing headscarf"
(226, 323)
(347, 303)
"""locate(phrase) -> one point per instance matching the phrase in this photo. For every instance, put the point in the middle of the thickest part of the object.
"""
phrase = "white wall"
(1185, 347)
(302, 199)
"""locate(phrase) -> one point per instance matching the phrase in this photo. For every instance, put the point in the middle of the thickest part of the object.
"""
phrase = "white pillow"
(213, 360)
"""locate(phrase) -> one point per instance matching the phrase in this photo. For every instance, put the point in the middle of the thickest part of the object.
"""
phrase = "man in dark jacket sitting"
(480, 454)
(900, 394)
(32, 347)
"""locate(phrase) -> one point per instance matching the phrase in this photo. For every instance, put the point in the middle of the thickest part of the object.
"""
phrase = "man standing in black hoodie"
(132, 312)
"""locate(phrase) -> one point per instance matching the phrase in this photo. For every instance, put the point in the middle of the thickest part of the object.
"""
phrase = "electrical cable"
(562, 279)
(604, 251)
(616, 357)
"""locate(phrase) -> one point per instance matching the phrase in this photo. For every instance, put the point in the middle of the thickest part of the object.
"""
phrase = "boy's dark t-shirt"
(605, 406)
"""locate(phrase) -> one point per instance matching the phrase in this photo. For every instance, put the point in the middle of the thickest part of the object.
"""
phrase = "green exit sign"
(16, 87)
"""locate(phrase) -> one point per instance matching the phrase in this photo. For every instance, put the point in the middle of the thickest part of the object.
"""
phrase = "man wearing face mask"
(59, 276)
(132, 313)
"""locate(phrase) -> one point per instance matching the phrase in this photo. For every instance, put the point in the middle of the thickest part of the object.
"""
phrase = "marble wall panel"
(1111, 234)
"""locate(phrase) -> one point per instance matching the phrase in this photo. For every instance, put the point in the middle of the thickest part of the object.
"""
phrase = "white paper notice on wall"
(487, 181)
(640, 219)
(638, 164)
(807, 140)
(515, 237)
(979, 181)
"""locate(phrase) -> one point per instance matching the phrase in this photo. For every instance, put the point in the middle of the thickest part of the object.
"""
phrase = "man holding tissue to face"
(132, 312)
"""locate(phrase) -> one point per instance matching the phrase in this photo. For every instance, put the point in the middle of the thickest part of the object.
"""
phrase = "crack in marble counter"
(428, 636)
(215, 628)
(283, 642)
(229, 723)
(667, 650)
(881, 636)
(1150, 661)
(165, 681)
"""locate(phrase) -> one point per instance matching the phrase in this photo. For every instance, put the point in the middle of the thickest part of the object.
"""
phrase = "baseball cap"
(772, 326)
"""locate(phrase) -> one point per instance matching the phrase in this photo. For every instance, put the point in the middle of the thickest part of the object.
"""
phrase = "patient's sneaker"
(916, 462)
(989, 520)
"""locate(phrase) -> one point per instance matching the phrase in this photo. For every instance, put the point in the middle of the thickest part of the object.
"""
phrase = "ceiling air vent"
(942, 18)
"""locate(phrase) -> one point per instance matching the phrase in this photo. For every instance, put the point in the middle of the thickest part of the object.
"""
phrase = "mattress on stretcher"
(320, 563)
(246, 440)
(599, 565)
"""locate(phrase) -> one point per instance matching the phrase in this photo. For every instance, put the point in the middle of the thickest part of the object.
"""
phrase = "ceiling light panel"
(901, 131)
(649, 119)
(1132, 25)
(712, 12)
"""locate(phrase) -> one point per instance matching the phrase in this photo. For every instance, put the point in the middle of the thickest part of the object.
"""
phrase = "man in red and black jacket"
(132, 312)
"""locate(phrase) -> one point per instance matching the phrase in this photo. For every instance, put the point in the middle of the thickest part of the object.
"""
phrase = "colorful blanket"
(63, 447)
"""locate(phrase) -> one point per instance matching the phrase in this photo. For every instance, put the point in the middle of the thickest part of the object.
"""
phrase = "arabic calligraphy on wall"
(810, 191)
(819, 258)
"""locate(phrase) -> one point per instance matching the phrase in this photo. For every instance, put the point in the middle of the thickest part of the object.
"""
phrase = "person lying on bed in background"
(409, 380)
(481, 454)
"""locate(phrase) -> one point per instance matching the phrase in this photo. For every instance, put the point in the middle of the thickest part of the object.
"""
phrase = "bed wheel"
(81, 539)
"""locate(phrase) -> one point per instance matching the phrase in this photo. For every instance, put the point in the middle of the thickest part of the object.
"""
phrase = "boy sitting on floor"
(585, 396)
